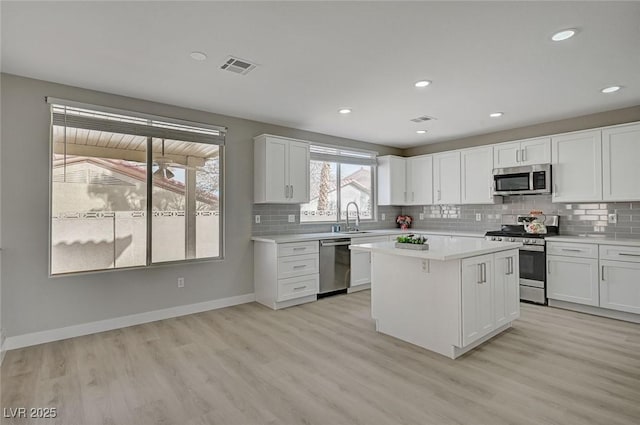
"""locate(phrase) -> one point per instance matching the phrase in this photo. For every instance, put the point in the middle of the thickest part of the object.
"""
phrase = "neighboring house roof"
(124, 168)
(360, 179)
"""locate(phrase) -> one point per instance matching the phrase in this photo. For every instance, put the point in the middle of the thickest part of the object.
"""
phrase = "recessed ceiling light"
(344, 110)
(611, 89)
(421, 131)
(496, 114)
(422, 83)
(563, 35)
(198, 56)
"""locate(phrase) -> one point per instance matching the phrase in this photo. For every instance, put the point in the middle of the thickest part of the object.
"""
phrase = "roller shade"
(343, 156)
(89, 117)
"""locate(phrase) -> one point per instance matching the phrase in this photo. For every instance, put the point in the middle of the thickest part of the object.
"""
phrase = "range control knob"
(493, 238)
(526, 241)
(499, 239)
(512, 239)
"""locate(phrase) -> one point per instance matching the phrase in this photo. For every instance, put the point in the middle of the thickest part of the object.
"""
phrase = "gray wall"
(602, 119)
(33, 302)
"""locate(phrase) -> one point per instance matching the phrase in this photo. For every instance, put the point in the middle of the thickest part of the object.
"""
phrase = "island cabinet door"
(478, 318)
(506, 287)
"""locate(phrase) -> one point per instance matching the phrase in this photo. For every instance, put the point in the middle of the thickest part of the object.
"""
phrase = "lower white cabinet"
(620, 278)
(361, 263)
(286, 274)
(600, 275)
(506, 287)
(490, 293)
(478, 318)
(573, 279)
(620, 286)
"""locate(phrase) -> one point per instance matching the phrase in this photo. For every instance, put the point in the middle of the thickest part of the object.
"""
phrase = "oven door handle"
(536, 248)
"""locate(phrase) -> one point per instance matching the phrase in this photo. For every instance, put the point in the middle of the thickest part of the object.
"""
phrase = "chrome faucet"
(356, 228)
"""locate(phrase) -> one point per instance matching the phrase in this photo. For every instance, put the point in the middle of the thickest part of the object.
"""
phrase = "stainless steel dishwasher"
(335, 265)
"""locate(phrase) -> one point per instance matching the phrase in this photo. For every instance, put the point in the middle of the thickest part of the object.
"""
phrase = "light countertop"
(594, 239)
(303, 237)
(442, 248)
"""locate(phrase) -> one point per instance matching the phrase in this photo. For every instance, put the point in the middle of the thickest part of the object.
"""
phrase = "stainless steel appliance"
(533, 266)
(335, 266)
(528, 180)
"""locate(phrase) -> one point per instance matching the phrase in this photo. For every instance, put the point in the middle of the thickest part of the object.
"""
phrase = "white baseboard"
(596, 311)
(35, 338)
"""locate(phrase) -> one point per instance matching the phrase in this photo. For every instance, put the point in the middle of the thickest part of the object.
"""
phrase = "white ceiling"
(316, 57)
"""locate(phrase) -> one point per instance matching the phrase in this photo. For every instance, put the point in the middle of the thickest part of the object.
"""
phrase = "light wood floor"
(323, 363)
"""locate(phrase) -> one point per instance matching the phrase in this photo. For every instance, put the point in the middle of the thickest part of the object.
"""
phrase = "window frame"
(149, 264)
(338, 161)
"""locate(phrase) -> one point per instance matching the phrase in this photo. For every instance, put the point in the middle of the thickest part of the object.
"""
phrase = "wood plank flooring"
(323, 363)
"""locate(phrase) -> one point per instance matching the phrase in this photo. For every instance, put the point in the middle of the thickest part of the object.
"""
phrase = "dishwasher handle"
(338, 242)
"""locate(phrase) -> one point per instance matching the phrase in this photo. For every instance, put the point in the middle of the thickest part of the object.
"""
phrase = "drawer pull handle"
(297, 288)
(300, 248)
(571, 250)
(628, 255)
(301, 266)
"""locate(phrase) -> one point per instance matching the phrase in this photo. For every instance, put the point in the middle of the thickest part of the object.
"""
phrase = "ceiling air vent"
(237, 65)
(423, 118)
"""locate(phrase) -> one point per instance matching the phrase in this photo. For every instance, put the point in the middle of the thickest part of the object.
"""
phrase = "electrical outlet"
(257, 219)
(181, 282)
(478, 216)
(383, 216)
(612, 218)
(292, 218)
(421, 215)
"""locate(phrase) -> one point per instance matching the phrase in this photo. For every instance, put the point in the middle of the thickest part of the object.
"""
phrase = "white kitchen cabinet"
(281, 170)
(522, 152)
(392, 180)
(573, 279)
(620, 163)
(620, 286)
(286, 274)
(506, 289)
(419, 180)
(477, 175)
(361, 263)
(478, 317)
(446, 178)
(577, 167)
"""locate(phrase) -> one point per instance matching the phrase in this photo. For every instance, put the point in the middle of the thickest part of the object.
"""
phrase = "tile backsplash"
(274, 219)
(575, 218)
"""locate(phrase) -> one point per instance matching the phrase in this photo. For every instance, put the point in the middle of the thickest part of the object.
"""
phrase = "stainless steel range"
(533, 265)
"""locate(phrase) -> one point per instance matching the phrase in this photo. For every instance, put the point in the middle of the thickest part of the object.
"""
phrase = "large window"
(338, 177)
(132, 190)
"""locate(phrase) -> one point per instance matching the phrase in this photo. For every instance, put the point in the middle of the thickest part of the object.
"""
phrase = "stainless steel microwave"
(528, 180)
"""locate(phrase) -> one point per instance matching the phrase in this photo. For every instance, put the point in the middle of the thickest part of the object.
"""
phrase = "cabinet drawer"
(567, 249)
(297, 265)
(620, 253)
(369, 239)
(298, 287)
(297, 248)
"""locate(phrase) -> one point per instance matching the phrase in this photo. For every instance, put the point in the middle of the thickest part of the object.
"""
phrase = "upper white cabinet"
(620, 163)
(281, 170)
(446, 178)
(392, 180)
(419, 180)
(577, 166)
(477, 175)
(523, 152)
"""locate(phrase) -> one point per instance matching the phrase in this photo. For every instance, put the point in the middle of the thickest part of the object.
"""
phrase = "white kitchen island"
(448, 299)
